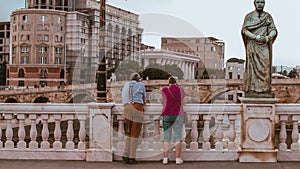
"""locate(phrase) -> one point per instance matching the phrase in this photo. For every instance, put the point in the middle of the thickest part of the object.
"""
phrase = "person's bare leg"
(166, 149)
(178, 148)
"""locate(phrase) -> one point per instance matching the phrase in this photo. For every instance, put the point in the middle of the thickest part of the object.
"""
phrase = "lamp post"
(101, 72)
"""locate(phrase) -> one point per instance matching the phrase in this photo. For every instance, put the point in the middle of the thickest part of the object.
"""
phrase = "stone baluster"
(70, 133)
(57, 145)
(82, 132)
(121, 132)
(145, 143)
(206, 132)
(157, 143)
(1, 143)
(219, 133)
(194, 133)
(232, 133)
(283, 133)
(21, 133)
(9, 144)
(295, 133)
(33, 144)
(183, 143)
(45, 132)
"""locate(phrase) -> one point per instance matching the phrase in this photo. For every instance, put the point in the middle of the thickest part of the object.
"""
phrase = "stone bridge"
(198, 91)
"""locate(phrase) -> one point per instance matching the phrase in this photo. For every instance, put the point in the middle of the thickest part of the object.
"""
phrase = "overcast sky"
(221, 19)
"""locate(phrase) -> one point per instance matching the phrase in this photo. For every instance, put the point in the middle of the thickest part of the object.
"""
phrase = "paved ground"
(30, 164)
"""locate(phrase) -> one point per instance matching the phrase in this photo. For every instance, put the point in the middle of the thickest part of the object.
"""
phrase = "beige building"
(209, 49)
(235, 68)
(57, 41)
(4, 41)
(186, 62)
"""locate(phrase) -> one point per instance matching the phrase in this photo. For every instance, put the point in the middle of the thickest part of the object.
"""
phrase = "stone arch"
(11, 100)
(41, 99)
(82, 98)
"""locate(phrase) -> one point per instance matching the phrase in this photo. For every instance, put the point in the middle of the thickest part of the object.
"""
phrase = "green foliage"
(213, 74)
(124, 70)
(293, 73)
(157, 71)
(154, 73)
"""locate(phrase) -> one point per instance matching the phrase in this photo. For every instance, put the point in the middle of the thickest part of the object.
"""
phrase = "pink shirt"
(172, 107)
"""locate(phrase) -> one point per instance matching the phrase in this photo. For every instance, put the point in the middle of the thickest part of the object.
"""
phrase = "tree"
(213, 74)
(126, 68)
(174, 70)
(154, 73)
(293, 73)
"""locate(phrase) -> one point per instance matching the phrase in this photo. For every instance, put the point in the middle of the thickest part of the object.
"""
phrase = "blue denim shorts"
(175, 123)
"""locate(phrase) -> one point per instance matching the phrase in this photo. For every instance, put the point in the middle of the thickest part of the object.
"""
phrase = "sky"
(221, 19)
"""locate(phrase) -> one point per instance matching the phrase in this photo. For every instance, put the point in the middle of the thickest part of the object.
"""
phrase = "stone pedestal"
(258, 130)
(100, 148)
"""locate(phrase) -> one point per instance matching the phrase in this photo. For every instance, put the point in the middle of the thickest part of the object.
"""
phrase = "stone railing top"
(189, 108)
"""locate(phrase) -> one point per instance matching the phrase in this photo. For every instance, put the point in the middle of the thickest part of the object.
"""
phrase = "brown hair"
(172, 80)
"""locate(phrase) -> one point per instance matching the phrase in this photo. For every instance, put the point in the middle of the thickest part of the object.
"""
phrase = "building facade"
(209, 49)
(235, 68)
(186, 62)
(57, 41)
(4, 50)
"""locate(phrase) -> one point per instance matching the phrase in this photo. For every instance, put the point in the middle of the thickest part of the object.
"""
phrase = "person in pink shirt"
(173, 117)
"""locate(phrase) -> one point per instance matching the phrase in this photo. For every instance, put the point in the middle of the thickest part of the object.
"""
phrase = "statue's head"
(259, 5)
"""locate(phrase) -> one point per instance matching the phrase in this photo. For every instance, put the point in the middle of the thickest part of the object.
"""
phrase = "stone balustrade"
(96, 132)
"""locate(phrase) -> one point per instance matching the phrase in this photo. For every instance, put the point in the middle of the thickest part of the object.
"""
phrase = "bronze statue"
(259, 33)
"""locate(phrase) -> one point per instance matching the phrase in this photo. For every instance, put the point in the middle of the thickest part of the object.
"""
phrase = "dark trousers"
(134, 116)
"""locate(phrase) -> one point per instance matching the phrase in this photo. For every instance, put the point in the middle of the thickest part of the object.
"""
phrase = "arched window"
(62, 74)
(43, 75)
(21, 74)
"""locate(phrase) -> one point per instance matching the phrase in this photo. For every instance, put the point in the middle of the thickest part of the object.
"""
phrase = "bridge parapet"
(95, 132)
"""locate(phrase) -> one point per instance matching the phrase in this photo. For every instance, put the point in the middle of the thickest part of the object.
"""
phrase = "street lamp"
(101, 72)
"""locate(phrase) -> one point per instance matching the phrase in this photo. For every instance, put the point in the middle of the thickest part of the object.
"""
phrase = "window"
(42, 49)
(39, 37)
(21, 74)
(58, 50)
(25, 18)
(1, 41)
(230, 67)
(25, 49)
(42, 60)
(230, 97)
(43, 18)
(24, 60)
(62, 74)
(43, 75)
(58, 60)
(1, 34)
(28, 37)
(46, 38)
(1, 49)
(212, 49)
(230, 75)
(59, 20)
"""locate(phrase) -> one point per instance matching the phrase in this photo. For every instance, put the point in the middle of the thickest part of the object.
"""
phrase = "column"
(100, 135)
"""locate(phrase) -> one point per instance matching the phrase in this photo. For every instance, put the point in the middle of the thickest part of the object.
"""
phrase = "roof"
(236, 60)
